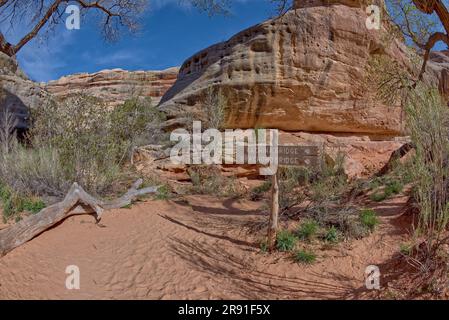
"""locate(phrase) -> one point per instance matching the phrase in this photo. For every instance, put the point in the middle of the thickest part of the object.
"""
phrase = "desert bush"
(285, 241)
(80, 131)
(369, 219)
(209, 180)
(264, 247)
(327, 193)
(331, 182)
(92, 141)
(290, 179)
(344, 218)
(163, 193)
(214, 107)
(428, 121)
(36, 171)
(332, 235)
(14, 203)
(393, 187)
(406, 248)
(258, 192)
(137, 122)
(304, 257)
(378, 196)
(308, 230)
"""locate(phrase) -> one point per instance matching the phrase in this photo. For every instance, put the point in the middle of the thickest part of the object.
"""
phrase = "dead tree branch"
(76, 202)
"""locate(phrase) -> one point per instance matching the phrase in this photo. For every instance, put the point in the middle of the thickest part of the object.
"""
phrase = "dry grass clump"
(209, 180)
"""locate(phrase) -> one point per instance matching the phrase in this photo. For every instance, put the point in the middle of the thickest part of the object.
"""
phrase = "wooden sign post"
(289, 156)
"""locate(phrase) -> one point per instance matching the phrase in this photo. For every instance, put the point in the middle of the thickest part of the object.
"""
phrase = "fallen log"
(76, 202)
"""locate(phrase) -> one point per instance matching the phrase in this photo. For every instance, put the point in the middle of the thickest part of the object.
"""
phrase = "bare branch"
(53, 8)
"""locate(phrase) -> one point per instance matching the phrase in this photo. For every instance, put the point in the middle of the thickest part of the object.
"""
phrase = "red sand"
(197, 250)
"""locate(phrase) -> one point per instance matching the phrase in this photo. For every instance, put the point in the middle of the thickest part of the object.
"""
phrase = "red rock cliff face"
(115, 86)
(302, 72)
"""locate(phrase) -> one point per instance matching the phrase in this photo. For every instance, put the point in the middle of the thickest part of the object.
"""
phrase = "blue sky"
(170, 34)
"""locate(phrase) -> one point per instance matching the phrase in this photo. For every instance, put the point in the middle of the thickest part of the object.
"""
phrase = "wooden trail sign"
(299, 156)
(289, 156)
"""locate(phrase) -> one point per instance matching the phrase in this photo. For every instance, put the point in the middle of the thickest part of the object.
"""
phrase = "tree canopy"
(113, 16)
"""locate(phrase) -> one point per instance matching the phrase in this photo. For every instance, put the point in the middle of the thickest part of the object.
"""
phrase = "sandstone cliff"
(115, 86)
(304, 71)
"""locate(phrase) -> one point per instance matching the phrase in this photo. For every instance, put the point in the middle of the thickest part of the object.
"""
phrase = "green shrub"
(290, 178)
(378, 196)
(90, 142)
(33, 205)
(264, 246)
(332, 235)
(394, 187)
(369, 219)
(35, 171)
(14, 203)
(331, 182)
(428, 121)
(257, 192)
(164, 192)
(304, 257)
(285, 241)
(391, 188)
(406, 249)
(308, 230)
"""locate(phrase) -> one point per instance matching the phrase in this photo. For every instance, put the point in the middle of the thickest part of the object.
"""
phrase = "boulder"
(304, 71)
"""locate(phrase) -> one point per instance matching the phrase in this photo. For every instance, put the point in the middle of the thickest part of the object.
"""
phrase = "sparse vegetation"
(264, 246)
(209, 180)
(164, 192)
(332, 235)
(428, 119)
(13, 204)
(79, 139)
(308, 230)
(304, 257)
(290, 180)
(392, 188)
(258, 192)
(406, 248)
(286, 241)
(214, 107)
(369, 219)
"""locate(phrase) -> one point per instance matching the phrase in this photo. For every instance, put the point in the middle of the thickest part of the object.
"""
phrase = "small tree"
(423, 23)
(8, 123)
(214, 107)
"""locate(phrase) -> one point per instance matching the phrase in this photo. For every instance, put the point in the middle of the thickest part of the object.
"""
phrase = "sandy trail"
(199, 249)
